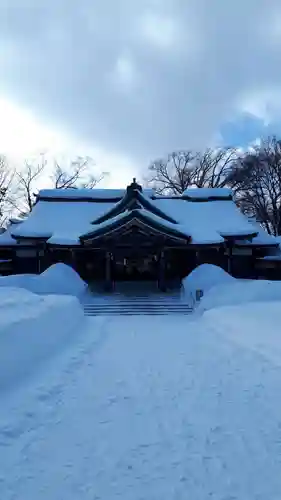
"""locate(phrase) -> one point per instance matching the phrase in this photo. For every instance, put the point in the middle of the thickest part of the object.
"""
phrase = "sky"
(128, 81)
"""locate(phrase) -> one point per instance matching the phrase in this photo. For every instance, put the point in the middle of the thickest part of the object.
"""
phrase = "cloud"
(160, 31)
(21, 134)
(23, 137)
(124, 75)
(243, 130)
(141, 78)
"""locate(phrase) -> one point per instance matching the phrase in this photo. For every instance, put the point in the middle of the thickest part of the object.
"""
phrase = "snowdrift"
(241, 292)
(251, 325)
(32, 327)
(205, 277)
(61, 279)
(57, 279)
(17, 280)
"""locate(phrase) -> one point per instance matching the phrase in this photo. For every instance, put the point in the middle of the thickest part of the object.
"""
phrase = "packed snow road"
(145, 408)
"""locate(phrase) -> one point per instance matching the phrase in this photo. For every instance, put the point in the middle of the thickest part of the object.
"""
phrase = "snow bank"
(220, 289)
(61, 279)
(255, 326)
(57, 279)
(32, 327)
(205, 277)
(241, 292)
(17, 280)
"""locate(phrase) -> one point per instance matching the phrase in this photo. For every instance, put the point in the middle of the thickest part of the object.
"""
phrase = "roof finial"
(134, 186)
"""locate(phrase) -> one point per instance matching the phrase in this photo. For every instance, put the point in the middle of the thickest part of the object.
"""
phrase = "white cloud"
(22, 137)
(264, 103)
(270, 28)
(125, 75)
(21, 134)
(140, 78)
(161, 31)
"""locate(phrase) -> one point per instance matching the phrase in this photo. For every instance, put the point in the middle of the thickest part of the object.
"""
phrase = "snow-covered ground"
(254, 326)
(146, 408)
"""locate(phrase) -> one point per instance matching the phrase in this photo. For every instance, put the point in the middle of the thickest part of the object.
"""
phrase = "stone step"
(136, 313)
(129, 300)
(136, 302)
(139, 301)
(138, 306)
(123, 303)
(135, 308)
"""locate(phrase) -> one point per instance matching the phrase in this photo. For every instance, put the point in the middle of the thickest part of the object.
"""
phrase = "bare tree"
(173, 174)
(6, 197)
(184, 169)
(256, 180)
(213, 167)
(78, 174)
(26, 183)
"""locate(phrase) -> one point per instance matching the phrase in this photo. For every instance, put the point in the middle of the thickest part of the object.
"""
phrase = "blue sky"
(246, 129)
(128, 81)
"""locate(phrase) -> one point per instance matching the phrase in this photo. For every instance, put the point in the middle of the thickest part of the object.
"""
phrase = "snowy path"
(145, 408)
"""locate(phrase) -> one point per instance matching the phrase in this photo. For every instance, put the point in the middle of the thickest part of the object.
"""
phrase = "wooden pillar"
(41, 257)
(229, 261)
(161, 272)
(253, 271)
(73, 258)
(108, 278)
(38, 257)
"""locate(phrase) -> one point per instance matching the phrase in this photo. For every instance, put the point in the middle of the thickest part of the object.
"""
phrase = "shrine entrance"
(141, 265)
(137, 244)
(135, 267)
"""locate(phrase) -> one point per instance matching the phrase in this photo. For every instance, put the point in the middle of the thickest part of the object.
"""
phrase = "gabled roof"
(71, 216)
(138, 216)
(134, 198)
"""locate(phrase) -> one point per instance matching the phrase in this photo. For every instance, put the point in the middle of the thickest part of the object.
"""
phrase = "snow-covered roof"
(262, 239)
(60, 219)
(207, 193)
(63, 217)
(143, 215)
(271, 257)
(207, 223)
(6, 239)
(87, 194)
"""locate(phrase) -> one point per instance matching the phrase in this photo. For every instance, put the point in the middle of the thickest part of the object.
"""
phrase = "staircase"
(134, 301)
